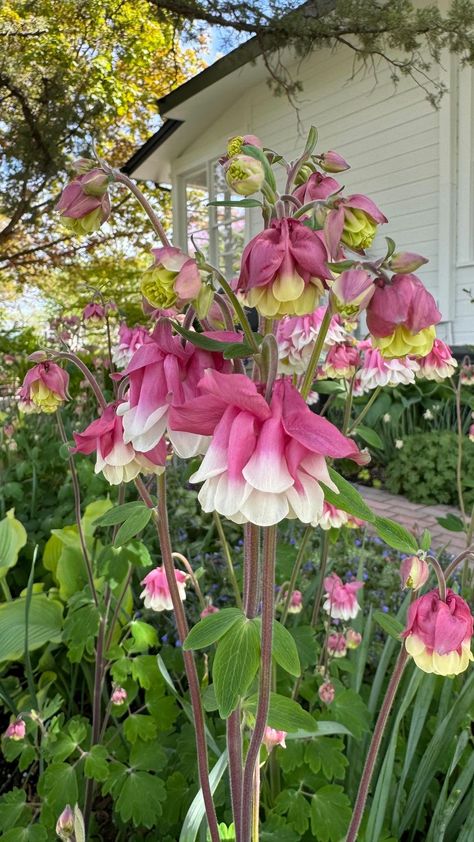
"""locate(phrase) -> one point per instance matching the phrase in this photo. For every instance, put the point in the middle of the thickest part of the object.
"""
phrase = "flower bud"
(351, 292)
(333, 162)
(84, 204)
(16, 730)
(95, 183)
(327, 692)
(296, 603)
(65, 823)
(272, 738)
(234, 144)
(353, 639)
(414, 572)
(37, 357)
(44, 388)
(209, 609)
(244, 175)
(302, 175)
(406, 262)
(336, 645)
(119, 696)
(83, 165)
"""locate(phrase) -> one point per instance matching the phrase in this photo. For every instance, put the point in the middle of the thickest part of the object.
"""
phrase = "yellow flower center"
(402, 342)
(234, 145)
(158, 287)
(359, 229)
(44, 398)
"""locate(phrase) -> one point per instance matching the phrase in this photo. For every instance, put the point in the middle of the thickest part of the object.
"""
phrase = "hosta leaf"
(44, 625)
(12, 538)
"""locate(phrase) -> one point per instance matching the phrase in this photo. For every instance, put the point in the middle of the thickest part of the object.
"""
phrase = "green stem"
(295, 572)
(348, 406)
(322, 573)
(5, 589)
(365, 410)
(314, 360)
(237, 307)
(156, 224)
(228, 558)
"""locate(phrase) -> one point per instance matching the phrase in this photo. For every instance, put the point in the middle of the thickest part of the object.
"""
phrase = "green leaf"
(144, 635)
(139, 798)
(32, 833)
(235, 664)
(285, 714)
(395, 536)
(296, 807)
(391, 246)
(327, 754)
(330, 814)
(259, 155)
(341, 266)
(44, 626)
(210, 629)
(12, 538)
(235, 203)
(134, 524)
(348, 499)
(138, 725)
(81, 627)
(58, 786)
(390, 624)
(236, 349)
(96, 765)
(369, 435)
(304, 637)
(284, 649)
(93, 512)
(196, 812)
(148, 756)
(451, 522)
(349, 709)
(311, 141)
(425, 542)
(13, 809)
(329, 387)
(119, 514)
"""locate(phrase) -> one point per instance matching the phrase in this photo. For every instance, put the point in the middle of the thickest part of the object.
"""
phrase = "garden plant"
(265, 658)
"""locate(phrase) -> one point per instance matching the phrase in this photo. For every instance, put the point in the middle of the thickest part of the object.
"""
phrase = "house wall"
(408, 157)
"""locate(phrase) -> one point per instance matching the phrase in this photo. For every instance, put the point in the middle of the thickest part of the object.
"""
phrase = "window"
(218, 231)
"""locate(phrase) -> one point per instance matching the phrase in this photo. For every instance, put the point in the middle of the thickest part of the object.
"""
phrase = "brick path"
(416, 517)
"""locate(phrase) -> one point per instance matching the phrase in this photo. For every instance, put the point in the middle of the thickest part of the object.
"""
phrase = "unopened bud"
(38, 357)
(406, 262)
(83, 165)
(234, 144)
(65, 823)
(414, 572)
(272, 738)
(353, 639)
(16, 730)
(119, 696)
(95, 183)
(209, 609)
(244, 174)
(333, 162)
(327, 692)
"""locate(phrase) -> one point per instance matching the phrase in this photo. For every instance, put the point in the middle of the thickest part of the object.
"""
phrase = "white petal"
(265, 509)
(188, 445)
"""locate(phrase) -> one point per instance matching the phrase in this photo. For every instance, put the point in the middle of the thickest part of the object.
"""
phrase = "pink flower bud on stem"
(414, 572)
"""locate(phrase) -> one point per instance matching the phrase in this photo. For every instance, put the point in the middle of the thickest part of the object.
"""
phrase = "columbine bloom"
(163, 373)
(156, 591)
(401, 316)
(296, 603)
(118, 460)
(438, 634)
(283, 269)
(65, 824)
(336, 645)
(272, 738)
(130, 339)
(438, 364)
(264, 462)
(353, 639)
(119, 696)
(399, 443)
(16, 730)
(327, 692)
(378, 371)
(44, 388)
(341, 599)
(94, 312)
(332, 518)
(317, 188)
(84, 204)
(466, 375)
(342, 361)
(172, 280)
(351, 292)
(414, 572)
(352, 221)
(234, 144)
(296, 338)
(244, 174)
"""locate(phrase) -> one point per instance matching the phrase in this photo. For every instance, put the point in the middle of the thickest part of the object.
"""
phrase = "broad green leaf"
(330, 814)
(12, 538)
(395, 536)
(285, 714)
(52, 553)
(134, 524)
(96, 765)
(348, 499)
(58, 786)
(326, 754)
(284, 649)
(276, 828)
(148, 756)
(304, 637)
(296, 807)
(235, 665)
(234, 349)
(139, 725)
(81, 627)
(349, 709)
(44, 626)
(329, 387)
(139, 798)
(118, 514)
(92, 512)
(451, 522)
(370, 436)
(185, 704)
(237, 203)
(196, 812)
(210, 629)
(425, 541)
(311, 140)
(390, 624)
(31, 833)
(13, 809)
(144, 635)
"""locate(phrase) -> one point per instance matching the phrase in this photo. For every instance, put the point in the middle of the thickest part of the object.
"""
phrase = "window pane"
(197, 211)
(228, 225)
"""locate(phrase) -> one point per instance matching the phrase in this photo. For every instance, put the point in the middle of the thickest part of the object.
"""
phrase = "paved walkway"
(416, 517)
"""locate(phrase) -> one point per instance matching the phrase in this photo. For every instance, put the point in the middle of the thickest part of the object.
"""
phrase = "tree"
(74, 72)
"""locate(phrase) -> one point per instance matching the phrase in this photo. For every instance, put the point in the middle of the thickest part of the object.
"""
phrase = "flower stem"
(372, 754)
(456, 561)
(322, 572)
(365, 410)
(65, 355)
(268, 579)
(295, 572)
(440, 575)
(228, 558)
(161, 523)
(459, 450)
(244, 322)
(251, 563)
(318, 347)
(156, 224)
(234, 747)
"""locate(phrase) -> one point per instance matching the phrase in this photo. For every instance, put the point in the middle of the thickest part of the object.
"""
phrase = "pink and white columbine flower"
(296, 603)
(352, 221)
(130, 339)
(272, 738)
(94, 312)
(172, 280)
(156, 592)
(342, 361)
(414, 572)
(283, 270)
(265, 462)
(296, 337)
(439, 364)
(341, 599)
(327, 692)
(438, 634)
(118, 460)
(16, 730)
(401, 317)
(332, 518)
(336, 645)
(378, 371)
(466, 375)
(44, 388)
(119, 696)
(163, 373)
(316, 188)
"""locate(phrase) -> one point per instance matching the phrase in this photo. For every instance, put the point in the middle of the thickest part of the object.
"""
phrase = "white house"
(415, 162)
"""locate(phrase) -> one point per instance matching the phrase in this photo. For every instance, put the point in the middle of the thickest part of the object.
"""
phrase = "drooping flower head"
(265, 462)
(161, 373)
(283, 270)
(156, 592)
(401, 316)
(65, 824)
(376, 370)
(84, 204)
(406, 262)
(439, 364)
(353, 639)
(94, 312)
(341, 598)
(16, 730)
(296, 338)
(44, 388)
(317, 187)
(331, 517)
(333, 162)
(118, 460)
(172, 280)
(327, 692)
(119, 696)
(351, 292)
(352, 221)
(336, 645)
(130, 339)
(296, 603)
(342, 361)
(438, 634)
(272, 738)
(414, 572)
